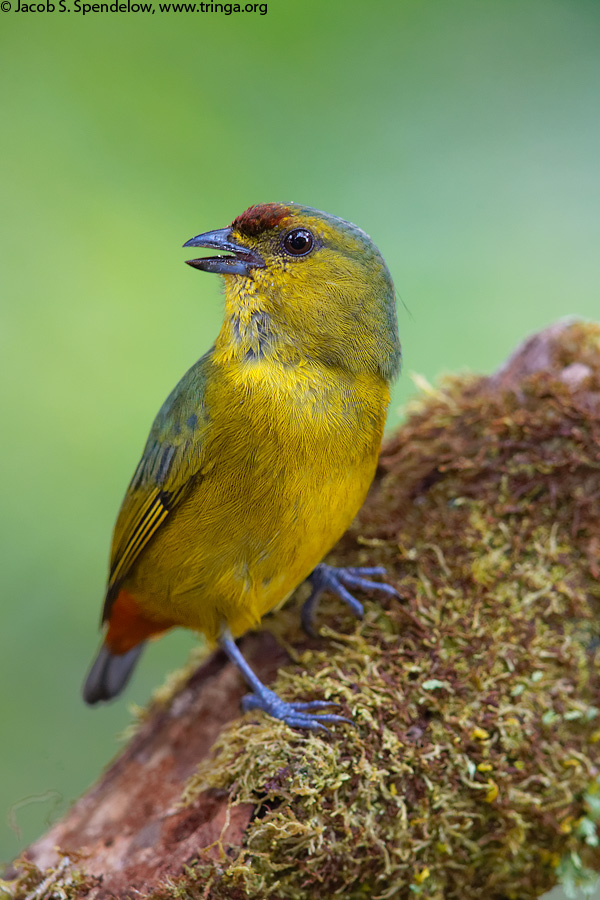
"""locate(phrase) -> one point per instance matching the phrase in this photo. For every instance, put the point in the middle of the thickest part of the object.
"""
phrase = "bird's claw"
(296, 715)
(329, 578)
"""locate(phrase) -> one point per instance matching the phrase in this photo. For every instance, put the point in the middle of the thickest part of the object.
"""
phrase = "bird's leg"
(296, 715)
(328, 578)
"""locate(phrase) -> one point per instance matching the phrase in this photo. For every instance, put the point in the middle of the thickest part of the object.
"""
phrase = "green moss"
(476, 735)
(65, 882)
(471, 766)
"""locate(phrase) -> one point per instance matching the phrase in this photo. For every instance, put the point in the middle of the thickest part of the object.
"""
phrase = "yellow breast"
(290, 454)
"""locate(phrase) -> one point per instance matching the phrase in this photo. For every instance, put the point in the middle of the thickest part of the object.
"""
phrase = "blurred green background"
(463, 136)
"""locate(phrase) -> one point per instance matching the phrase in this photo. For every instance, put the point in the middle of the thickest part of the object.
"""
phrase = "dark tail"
(109, 674)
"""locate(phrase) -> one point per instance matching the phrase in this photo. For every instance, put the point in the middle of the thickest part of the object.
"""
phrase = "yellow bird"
(263, 453)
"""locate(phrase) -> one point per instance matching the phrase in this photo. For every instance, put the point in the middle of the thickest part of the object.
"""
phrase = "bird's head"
(299, 278)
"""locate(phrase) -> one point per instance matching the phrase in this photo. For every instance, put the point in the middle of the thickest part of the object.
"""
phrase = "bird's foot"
(329, 578)
(296, 715)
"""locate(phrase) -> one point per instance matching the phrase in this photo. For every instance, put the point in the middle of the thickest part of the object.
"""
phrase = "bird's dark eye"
(298, 242)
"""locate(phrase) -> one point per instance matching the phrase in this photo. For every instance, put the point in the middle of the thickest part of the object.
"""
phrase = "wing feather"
(170, 465)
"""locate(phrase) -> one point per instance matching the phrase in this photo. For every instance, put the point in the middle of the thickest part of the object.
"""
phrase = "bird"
(261, 456)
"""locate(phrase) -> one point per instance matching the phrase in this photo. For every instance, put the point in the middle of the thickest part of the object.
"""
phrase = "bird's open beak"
(241, 263)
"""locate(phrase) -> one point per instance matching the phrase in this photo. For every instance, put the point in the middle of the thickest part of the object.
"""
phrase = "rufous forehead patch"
(259, 218)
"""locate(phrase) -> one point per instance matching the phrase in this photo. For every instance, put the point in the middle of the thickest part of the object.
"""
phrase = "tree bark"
(517, 754)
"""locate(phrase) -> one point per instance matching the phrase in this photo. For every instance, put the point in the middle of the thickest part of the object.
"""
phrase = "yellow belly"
(290, 459)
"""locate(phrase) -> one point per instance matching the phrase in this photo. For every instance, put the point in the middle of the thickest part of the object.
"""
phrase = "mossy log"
(472, 766)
